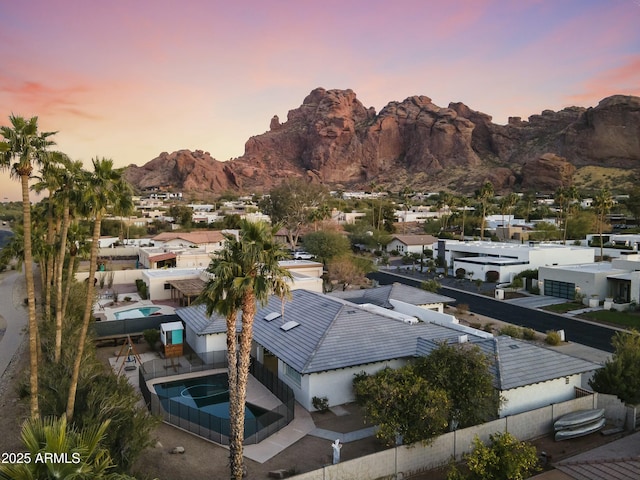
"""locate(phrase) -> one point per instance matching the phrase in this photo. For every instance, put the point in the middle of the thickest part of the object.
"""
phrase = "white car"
(302, 256)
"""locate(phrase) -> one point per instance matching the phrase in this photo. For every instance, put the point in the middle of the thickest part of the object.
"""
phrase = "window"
(293, 375)
(167, 286)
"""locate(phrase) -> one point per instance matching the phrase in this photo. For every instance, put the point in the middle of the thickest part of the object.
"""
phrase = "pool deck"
(301, 425)
(105, 309)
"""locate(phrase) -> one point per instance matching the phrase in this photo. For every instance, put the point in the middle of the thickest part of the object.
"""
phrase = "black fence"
(258, 426)
(129, 326)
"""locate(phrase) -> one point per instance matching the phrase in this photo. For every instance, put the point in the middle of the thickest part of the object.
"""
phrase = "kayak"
(578, 418)
(580, 431)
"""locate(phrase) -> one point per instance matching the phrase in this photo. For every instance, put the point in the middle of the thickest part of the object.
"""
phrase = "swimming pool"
(136, 312)
(206, 400)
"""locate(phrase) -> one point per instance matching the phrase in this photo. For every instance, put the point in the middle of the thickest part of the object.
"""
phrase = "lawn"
(620, 319)
(564, 307)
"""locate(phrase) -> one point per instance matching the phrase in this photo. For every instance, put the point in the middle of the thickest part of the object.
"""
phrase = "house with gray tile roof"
(320, 342)
(528, 375)
(384, 296)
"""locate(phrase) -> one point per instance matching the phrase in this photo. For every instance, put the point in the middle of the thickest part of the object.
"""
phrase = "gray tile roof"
(196, 318)
(521, 363)
(334, 333)
(397, 291)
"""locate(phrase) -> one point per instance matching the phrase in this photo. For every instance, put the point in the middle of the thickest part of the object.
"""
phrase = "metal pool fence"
(210, 426)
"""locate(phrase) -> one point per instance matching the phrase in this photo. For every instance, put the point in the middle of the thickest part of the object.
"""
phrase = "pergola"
(184, 291)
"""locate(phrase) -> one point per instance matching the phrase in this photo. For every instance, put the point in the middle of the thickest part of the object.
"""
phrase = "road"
(577, 331)
(13, 314)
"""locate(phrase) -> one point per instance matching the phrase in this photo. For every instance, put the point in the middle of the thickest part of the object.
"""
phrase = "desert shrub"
(488, 327)
(476, 325)
(528, 334)
(152, 336)
(552, 338)
(460, 273)
(142, 288)
(462, 308)
(320, 403)
(511, 331)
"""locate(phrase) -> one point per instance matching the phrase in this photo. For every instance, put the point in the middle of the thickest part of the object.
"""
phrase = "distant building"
(405, 244)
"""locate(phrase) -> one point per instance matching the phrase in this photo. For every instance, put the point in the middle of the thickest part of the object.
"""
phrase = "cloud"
(45, 99)
(623, 79)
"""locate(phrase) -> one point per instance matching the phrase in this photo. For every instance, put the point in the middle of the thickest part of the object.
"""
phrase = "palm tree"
(463, 203)
(69, 178)
(78, 246)
(602, 205)
(49, 180)
(220, 296)
(484, 196)
(102, 191)
(85, 457)
(247, 272)
(24, 146)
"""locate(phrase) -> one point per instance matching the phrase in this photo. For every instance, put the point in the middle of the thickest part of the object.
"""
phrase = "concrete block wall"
(411, 459)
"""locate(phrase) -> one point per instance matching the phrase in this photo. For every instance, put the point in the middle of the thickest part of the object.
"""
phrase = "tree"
(484, 197)
(580, 224)
(602, 205)
(86, 458)
(430, 286)
(182, 215)
(343, 269)
(402, 403)
(545, 231)
(102, 191)
(463, 203)
(326, 245)
(249, 272)
(504, 458)
(289, 204)
(463, 372)
(25, 147)
(620, 375)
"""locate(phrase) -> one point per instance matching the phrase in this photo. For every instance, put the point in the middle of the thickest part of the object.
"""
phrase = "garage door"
(554, 288)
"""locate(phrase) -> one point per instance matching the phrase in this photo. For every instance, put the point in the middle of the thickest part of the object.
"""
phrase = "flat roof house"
(503, 261)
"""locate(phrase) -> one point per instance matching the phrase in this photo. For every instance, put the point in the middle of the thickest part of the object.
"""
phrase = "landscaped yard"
(621, 319)
(563, 307)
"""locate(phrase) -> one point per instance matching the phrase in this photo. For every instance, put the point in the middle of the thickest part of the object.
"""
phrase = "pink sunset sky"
(128, 80)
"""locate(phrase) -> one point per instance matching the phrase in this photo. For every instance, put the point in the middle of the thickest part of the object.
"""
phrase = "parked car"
(302, 256)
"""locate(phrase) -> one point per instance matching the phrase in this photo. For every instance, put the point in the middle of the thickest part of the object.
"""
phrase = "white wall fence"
(403, 461)
(120, 277)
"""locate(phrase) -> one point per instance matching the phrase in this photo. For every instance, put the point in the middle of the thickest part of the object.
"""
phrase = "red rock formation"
(332, 138)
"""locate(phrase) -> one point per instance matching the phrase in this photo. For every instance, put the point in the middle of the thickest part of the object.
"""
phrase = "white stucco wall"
(336, 385)
(538, 395)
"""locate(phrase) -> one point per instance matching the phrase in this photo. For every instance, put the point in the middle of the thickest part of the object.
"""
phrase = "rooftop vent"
(289, 325)
(410, 321)
(272, 316)
(463, 338)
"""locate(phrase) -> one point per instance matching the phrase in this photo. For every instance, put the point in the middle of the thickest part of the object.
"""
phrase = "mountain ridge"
(333, 139)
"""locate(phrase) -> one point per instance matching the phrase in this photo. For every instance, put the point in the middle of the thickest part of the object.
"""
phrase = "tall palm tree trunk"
(85, 319)
(49, 255)
(235, 437)
(58, 279)
(71, 268)
(31, 298)
(244, 358)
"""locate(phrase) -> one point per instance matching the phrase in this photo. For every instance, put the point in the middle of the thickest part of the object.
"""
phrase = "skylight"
(272, 316)
(289, 325)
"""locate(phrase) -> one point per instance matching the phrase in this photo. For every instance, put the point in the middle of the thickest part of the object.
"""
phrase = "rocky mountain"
(334, 139)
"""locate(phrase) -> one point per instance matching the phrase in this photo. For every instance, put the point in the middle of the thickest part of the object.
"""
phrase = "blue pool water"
(136, 312)
(209, 395)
